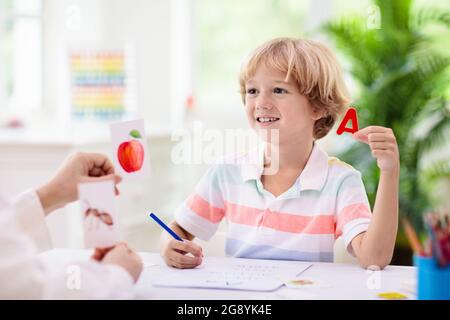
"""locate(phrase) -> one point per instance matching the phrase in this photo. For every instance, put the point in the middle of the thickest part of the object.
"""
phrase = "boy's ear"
(318, 114)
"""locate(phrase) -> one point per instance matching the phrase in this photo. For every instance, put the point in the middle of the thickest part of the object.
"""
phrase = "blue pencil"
(165, 227)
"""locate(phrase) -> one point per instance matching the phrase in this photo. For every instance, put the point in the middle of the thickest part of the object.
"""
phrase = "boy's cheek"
(251, 120)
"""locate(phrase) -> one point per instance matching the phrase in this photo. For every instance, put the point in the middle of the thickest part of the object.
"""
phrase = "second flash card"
(130, 152)
(100, 223)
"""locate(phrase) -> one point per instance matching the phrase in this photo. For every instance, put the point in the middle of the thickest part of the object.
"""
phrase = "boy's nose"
(264, 106)
(263, 102)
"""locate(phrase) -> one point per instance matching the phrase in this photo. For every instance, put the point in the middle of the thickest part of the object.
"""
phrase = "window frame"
(11, 16)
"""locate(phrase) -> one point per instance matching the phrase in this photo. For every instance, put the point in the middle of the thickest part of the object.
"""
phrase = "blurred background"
(68, 68)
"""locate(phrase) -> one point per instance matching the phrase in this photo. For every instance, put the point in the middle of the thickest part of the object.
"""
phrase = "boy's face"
(272, 103)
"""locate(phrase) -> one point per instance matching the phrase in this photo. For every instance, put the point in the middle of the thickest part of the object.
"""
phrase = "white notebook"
(233, 274)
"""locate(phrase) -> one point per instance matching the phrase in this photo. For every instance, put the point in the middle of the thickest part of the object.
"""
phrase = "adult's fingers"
(99, 253)
(96, 172)
(98, 160)
(117, 179)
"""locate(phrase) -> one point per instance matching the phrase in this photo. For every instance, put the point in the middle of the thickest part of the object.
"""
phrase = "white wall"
(162, 78)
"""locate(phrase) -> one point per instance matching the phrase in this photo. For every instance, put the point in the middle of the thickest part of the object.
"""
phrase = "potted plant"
(403, 76)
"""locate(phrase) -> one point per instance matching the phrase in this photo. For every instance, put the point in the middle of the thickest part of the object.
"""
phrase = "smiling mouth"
(267, 119)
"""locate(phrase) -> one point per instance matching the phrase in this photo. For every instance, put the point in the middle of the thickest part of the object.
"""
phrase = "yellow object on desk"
(392, 296)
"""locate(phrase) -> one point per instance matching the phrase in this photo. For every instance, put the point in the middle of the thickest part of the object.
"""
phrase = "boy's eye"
(279, 90)
(251, 91)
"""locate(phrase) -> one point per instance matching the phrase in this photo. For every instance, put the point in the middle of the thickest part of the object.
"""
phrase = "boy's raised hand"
(175, 254)
(383, 145)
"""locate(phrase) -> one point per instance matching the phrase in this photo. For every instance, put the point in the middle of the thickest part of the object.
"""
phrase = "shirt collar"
(253, 164)
(313, 176)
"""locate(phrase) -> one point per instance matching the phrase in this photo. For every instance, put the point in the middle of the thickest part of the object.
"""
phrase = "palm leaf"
(403, 83)
(425, 16)
(438, 170)
(351, 36)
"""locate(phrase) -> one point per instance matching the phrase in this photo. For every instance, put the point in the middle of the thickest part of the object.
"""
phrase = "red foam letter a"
(350, 115)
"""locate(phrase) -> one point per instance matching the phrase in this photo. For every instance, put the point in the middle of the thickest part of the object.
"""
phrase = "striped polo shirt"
(328, 200)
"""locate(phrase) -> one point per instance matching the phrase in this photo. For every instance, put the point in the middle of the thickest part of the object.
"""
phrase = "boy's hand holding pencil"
(178, 252)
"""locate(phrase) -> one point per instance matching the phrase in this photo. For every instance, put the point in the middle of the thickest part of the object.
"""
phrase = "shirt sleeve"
(353, 209)
(24, 276)
(88, 280)
(30, 219)
(202, 211)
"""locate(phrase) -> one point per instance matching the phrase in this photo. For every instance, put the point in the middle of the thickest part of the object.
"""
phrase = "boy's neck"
(291, 155)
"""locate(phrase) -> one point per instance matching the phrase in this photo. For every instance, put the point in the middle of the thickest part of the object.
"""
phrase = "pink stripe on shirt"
(204, 209)
(349, 213)
(317, 224)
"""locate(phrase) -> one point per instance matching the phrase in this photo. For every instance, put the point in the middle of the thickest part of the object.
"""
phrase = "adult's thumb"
(114, 177)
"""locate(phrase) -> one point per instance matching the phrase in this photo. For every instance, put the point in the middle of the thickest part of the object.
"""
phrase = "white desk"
(346, 281)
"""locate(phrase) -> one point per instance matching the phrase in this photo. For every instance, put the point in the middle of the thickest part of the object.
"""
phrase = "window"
(20, 56)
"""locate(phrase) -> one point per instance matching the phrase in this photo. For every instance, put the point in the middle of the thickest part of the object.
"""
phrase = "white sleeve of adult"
(24, 276)
(21, 274)
(88, 280)
(30, 219)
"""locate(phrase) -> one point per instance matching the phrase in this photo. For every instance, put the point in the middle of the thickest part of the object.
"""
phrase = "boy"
(293, 87)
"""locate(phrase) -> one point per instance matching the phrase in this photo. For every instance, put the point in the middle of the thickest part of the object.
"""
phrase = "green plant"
(404, 83)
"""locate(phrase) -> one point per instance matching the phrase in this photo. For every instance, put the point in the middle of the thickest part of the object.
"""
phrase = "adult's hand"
(79, 167)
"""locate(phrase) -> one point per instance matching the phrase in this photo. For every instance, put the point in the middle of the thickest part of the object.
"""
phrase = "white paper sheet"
(238, 274)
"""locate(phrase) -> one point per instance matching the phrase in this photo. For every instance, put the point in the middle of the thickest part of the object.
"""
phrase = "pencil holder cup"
(433, 281)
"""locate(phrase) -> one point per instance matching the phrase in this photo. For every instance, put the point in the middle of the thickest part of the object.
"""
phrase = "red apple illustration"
(131, 153)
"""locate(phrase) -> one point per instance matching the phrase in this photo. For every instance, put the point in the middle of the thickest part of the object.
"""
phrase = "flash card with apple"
(130, 154)
(100, 222)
